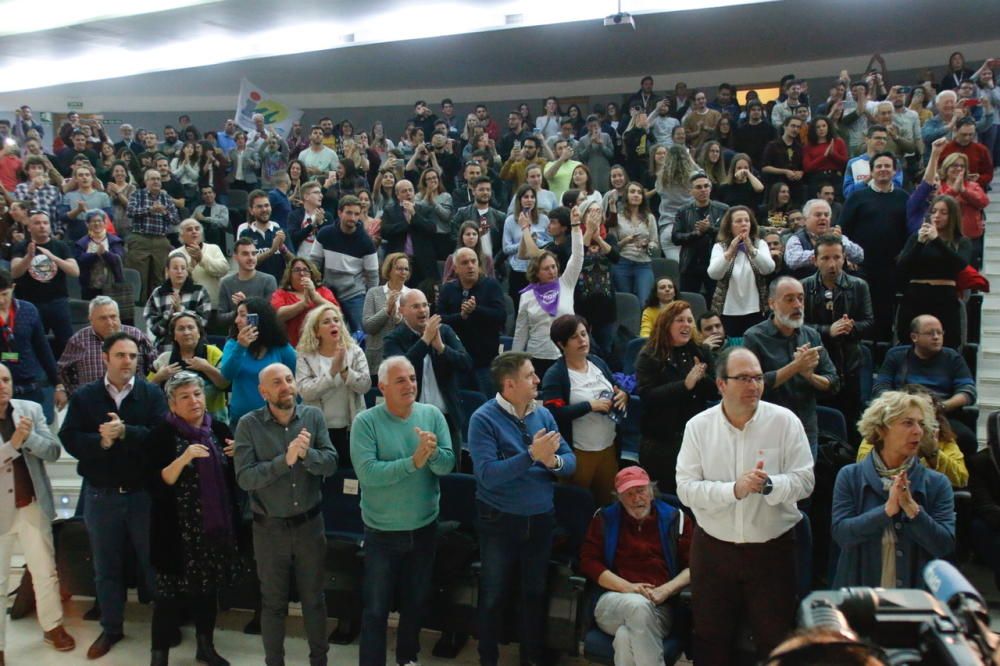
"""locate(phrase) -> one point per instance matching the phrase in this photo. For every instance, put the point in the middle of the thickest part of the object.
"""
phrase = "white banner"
(277, 116)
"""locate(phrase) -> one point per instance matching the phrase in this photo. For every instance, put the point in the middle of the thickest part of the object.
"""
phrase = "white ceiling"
(769, 33)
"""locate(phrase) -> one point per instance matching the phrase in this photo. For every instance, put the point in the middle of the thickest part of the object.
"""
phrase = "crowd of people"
(205, 422)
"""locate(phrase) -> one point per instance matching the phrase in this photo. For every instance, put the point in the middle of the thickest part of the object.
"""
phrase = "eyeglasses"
(747, 379)
(301, 269)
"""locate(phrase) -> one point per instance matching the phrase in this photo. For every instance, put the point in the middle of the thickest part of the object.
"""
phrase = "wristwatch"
(768, 487)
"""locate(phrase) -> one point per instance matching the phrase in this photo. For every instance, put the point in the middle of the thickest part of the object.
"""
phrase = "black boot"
(206, 654)
(159, 658)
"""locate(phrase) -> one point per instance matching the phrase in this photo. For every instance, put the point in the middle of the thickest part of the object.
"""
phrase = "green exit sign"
(74, 105)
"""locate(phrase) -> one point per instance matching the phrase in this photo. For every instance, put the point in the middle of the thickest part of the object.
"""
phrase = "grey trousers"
(637, 624)
(281, 550)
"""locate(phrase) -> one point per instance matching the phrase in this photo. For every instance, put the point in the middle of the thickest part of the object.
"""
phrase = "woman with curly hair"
(300, 291)
(673, 184)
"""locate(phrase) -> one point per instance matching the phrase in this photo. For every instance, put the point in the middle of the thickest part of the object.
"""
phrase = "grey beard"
(788, 322)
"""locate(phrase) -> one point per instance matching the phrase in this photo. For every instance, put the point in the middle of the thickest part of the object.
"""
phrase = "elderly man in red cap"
(639, 569)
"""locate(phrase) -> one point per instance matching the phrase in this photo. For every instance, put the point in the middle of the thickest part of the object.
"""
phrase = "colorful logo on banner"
(277, 115)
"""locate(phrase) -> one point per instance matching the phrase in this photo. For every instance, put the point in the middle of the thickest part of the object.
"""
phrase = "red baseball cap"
(630, 477)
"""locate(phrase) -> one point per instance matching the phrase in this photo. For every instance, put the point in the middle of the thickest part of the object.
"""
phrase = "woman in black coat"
(675, 379)
(195, 517)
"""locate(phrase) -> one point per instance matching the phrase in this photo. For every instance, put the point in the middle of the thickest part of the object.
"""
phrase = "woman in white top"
(587, 405)
(740, 261)
(381, 309)
(332, 374)
(583, 181)
(635, 228)
(184, 167)
(546, 297)
(548, 124)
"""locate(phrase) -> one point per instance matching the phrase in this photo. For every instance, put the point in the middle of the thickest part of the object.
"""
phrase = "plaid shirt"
(81, 361)
(145, 221)
(160, 307)
(47, 198)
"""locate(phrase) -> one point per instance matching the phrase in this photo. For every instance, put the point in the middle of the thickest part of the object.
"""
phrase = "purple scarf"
(213, 491)
(547, 295)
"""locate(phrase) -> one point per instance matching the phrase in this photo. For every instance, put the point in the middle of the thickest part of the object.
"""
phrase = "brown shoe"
(103, 645)
(59, 639)
(1, 659)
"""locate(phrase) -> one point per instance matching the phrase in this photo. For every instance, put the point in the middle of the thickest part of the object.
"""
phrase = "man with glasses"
(940, 369)
(857, 174)
(796, 366)
(742, 467)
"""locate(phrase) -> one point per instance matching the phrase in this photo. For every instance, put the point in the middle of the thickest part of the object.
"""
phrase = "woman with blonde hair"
(332, 374)
(380, 313)
(673, 184)
(891, 515)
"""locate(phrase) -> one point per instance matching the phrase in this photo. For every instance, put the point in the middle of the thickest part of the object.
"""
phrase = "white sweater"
(531, 333)
(742, 297)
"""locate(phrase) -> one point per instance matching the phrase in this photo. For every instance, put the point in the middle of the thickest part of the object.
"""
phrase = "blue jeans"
(633, 277)
(352, 309)
(506, 540)
(397, 565)
(55, 318)
(113, 520)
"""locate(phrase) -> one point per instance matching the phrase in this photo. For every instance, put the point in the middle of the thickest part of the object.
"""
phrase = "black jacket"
(495, 218)
(850, 297)
(448, 365)
(667, 406)
(480, 333)
(122, 465)
(421, 229)
(696, 249)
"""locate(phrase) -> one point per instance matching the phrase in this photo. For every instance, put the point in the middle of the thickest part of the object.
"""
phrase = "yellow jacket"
(649, 316)
(950, 462)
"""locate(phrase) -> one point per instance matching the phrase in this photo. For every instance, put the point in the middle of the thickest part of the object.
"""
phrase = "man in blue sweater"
(940, 369)
(399, 449)
(516, 454)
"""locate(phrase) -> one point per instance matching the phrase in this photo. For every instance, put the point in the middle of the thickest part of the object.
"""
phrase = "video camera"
(948, 624)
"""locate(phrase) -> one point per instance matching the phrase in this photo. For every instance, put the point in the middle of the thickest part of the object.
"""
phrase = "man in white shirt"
(206, 261)
(742, 467)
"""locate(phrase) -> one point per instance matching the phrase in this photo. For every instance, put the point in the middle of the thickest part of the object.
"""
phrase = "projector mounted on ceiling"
(621, 18)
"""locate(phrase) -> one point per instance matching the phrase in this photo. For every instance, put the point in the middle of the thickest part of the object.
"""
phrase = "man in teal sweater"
(398, 449)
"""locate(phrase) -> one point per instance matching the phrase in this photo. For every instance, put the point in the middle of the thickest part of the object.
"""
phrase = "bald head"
(467, 267)
(277, 386)
(404, 190)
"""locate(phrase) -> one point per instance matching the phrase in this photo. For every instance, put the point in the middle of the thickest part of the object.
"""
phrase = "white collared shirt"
(715, 454)
(116, 395)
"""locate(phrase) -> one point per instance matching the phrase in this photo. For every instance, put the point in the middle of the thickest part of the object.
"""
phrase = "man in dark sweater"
(105, 430)
(437, 356)
(752, 136)
(473, 306)
(694, 231)
(796, 366)
(875, 218)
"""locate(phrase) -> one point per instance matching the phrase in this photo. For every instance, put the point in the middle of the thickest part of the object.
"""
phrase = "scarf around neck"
(212, 487)
(547, 295)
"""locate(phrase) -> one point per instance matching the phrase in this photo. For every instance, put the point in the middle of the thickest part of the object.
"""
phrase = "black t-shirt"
(43, 281)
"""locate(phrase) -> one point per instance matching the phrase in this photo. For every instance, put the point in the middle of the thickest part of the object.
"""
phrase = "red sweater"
(972, 200)
(979, 160)
(814, 157)
(639, 557)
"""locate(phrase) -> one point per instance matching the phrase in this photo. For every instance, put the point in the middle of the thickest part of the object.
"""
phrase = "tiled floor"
(25, 646)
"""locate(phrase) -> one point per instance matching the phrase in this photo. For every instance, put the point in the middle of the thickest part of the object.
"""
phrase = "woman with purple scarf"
(547, 296)
(195, 517)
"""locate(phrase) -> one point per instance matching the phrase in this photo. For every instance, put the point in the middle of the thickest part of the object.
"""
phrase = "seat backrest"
(663, 267)
(508, 304)
(342, 505)
(506, 342)
(867, 374)
(471, 401)
(632, 350)
(458, 499)
(574, 507)
(832, 421)
(697, 302)
(134, 279)
(629, 312)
